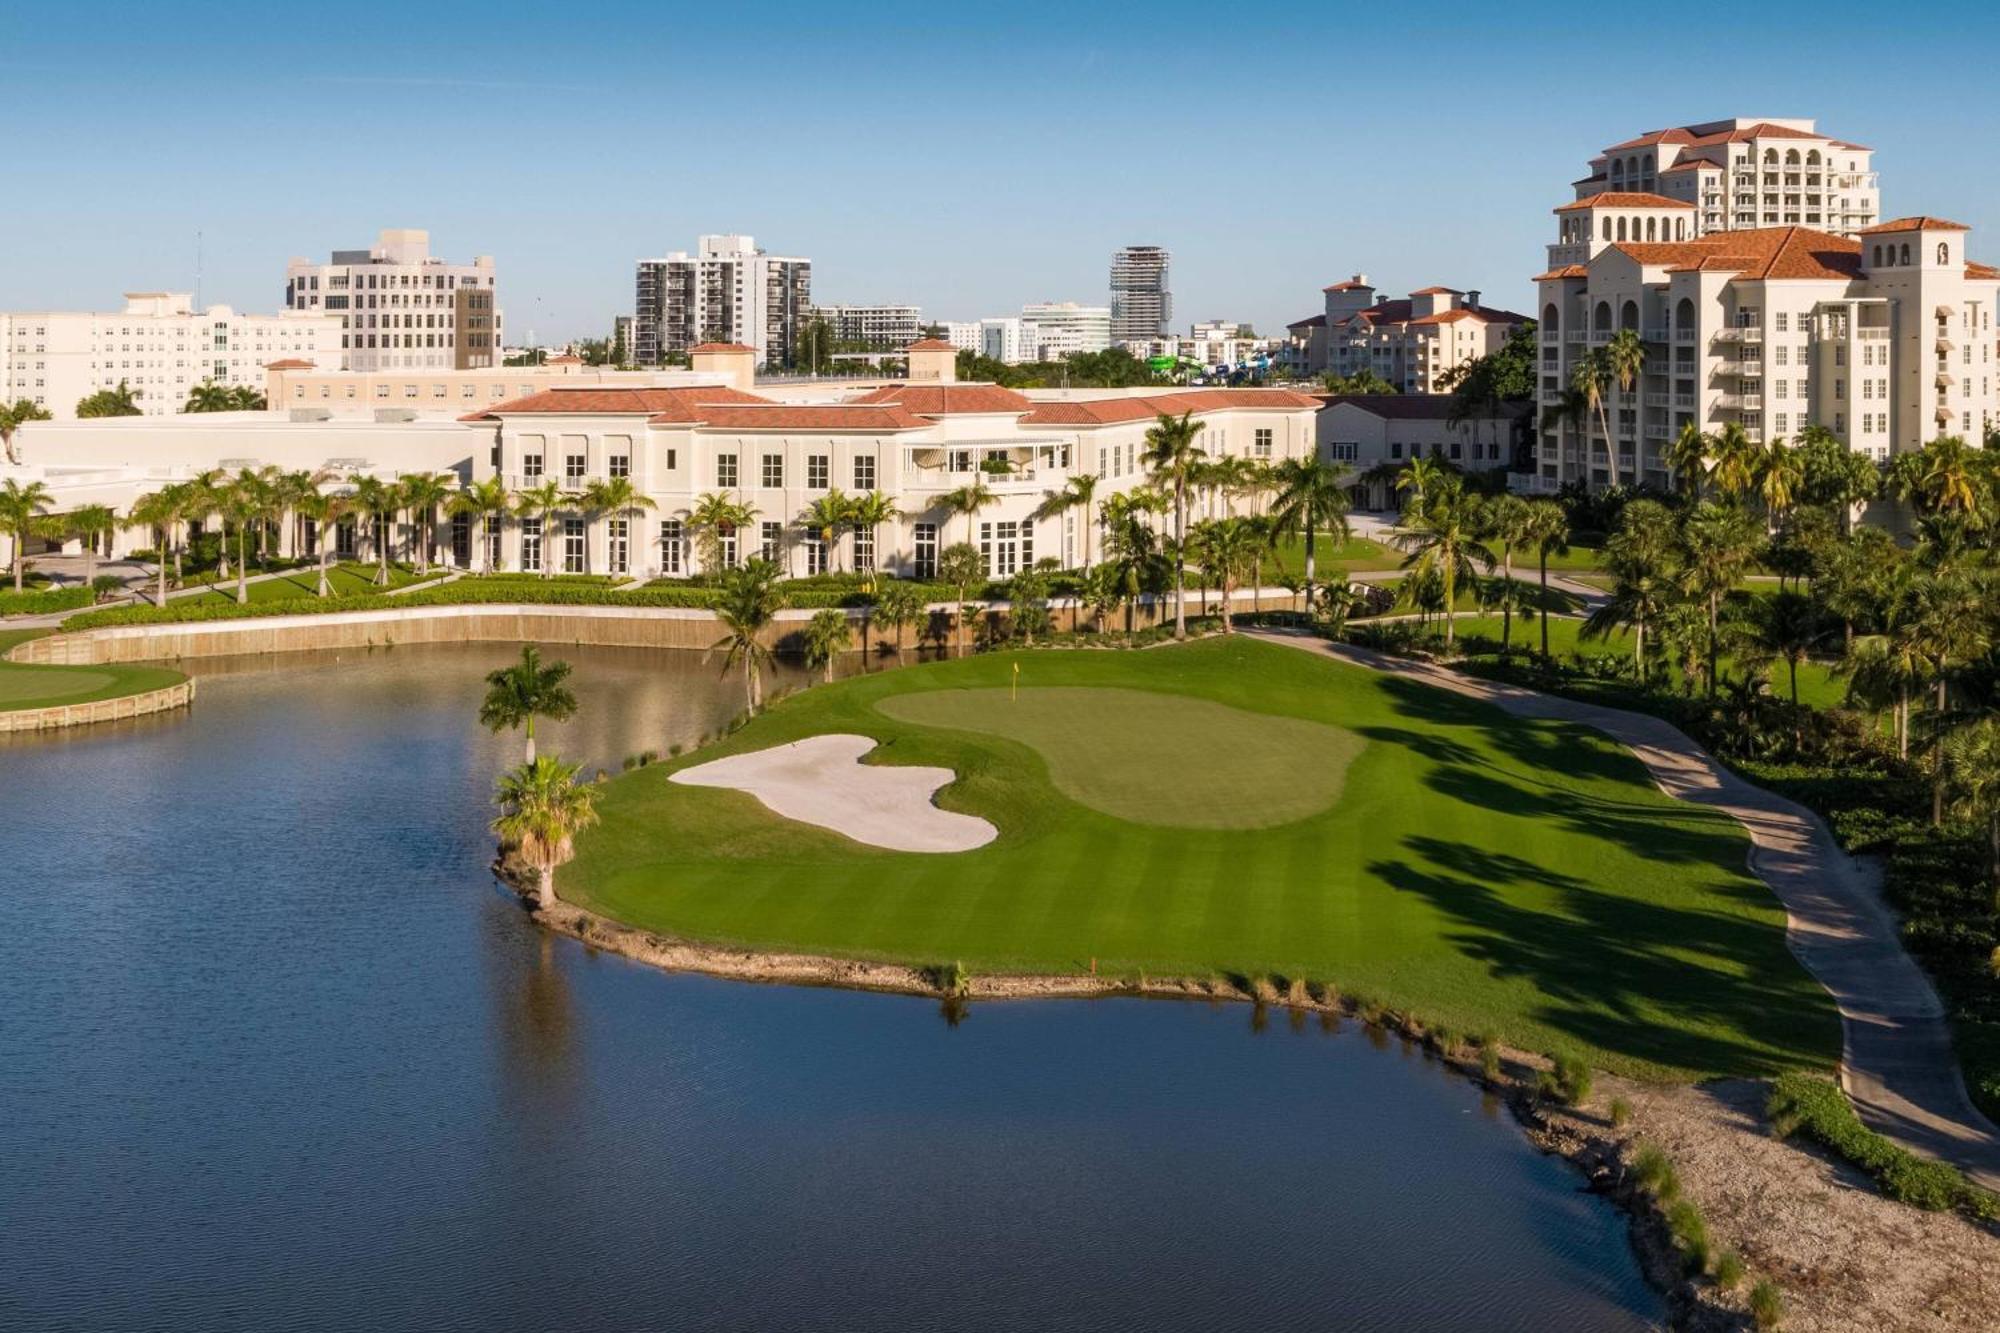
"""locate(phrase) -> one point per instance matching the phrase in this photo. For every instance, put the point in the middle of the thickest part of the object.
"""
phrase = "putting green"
(1154, 758)
(23, 686)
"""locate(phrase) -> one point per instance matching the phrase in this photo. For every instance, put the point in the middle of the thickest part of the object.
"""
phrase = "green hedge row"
(1818, 1109)
(44, 603)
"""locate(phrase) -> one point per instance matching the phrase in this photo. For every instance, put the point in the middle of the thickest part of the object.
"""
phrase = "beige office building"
(402, 308)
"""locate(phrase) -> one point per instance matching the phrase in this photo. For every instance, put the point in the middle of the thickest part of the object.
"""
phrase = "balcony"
(1684, 335)
(1577, 336)
(1656, 334)
(1658, 430)
(1658, 399)
(1684, 401)
(1729, 334)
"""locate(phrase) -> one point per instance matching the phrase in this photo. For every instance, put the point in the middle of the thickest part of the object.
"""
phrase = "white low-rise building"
(159, 346)
(1379, 433)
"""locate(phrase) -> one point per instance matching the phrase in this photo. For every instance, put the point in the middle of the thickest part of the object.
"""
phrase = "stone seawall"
(599, 626)
(98, 710)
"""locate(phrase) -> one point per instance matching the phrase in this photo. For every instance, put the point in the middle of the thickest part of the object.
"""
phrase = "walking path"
(1897, 1063)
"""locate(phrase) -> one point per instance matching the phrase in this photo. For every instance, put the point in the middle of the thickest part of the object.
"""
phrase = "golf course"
(1238, 808)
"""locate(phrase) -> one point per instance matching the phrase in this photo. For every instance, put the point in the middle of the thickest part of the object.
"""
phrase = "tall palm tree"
(1591, 380)
(422, 494)
(1080, 492)
(377, 499)
(1445, 544)
(516, 695)
(543, 807)
(1780, 474)
(968, 500)
(13, 416)
(1625, 355)
(1973, 759)
(325, 509)
(21, 510)
(1223, 546)
(1506, 519)
(1789, 627)
(208, 396)
(482, 501)
(826, 638)
(746, 607)
(1418, 477)
(896, 605)
(242, 504)
(1718, 543)
(1312, 494)
(1173, 457)
(541, 502)
(618, 497)
(961, 566)
(158, 512)
(1132, 548)
(1688, 457)
(1546, 529)
(1949, 620)
(91, 524)
(823, 519)
(870, 512)
(1949, 478)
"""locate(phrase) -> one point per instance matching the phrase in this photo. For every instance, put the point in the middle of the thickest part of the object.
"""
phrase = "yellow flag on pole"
(1015, 693)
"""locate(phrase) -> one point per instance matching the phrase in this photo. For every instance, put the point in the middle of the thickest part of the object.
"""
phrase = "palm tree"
(1132, 547)
(91, 524)
(1948, 479)
(1735, 457)
(1101, 592)
(421, 495)
(1545, 528)
(1506, 519)
(208, 396)
(1788, 626)
(1625, 354)
(21, 510)
(827, 636)
(1079, 492)
(1688, 457)
(618, 497)
(871, 511)
(325, 509)
(516, 695)
(1949, 622)
(1780, 474)
(377, 499)
(1419, 476)
(13, 416)
(823, 519)
(746, 607)
(961, 566)
(119, 402)
(1312, 494)
(541, 503)
(1223, 546)
(543, 807)
(1717, 544)
(717, 515)
(968, 500)
(157, 511)
(898, 604)
(1445, 545)
(242, 504)
(1173, 457)
(1591, 382)
(482, 501)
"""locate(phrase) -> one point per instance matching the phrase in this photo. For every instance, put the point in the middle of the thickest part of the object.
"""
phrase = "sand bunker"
(821, 780)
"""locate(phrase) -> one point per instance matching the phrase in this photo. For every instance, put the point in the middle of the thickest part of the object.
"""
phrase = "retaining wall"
(98, 710)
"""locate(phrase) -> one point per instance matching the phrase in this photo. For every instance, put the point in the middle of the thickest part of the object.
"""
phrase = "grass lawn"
(343, 580)
(23, 686)
(1358, 553)
(1239, 807)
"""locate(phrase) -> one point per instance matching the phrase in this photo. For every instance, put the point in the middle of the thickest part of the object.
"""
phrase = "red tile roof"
(656, 404)
(1921, 222)
(930, 345)
(1436, 291)
(1350, 286)
(1480, 313)
(1651, 137)
(1111, 411)
(805, 416)
(1693, 164)
(1758, 253)
(939, 400)
(1621, 199)
(1566, 271)
(1973, 270)
(1310, 322)
(289, 363)
(719, 347)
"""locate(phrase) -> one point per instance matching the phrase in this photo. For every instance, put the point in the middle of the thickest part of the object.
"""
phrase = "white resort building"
(1886, 338)
(1410, 343)
(775, 448)
(1745, 173)
(159, 346)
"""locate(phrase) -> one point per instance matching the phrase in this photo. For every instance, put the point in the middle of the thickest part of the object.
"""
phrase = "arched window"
(1680, 229)
(1903, 256)
(1607, 229)
(1628, 316)
(1621, 229)
(1684, 314)
(1944, 254)
(1650, 225)
(1771, 157)
(1551, 318)
(1878, 256)
(1812, 158)
(1792, 158)
(1600, 319)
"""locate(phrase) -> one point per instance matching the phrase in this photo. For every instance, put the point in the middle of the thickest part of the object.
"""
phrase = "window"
(1006, 547)
(573, 545)
(927, 551)
(815, 557)
(531, 545)
(1783, 322)
(672, 540)
(1345, 451)
(531, 466)
(817, 471)
(618, 546)
(493, 541)
(774, 471)
(864, 550)
(773, 535)
(1396, 449)
(574, 466)
(618, 465)
(864, 472)
(1261, 442)
(725, 470)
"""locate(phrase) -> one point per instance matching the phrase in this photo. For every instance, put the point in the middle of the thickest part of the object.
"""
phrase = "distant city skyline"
(560, 151)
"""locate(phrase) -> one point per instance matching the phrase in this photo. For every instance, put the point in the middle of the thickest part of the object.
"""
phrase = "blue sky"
(966, 158)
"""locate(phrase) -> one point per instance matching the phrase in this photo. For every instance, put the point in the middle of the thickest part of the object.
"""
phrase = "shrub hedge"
(1800, 1103)
(43, 603)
